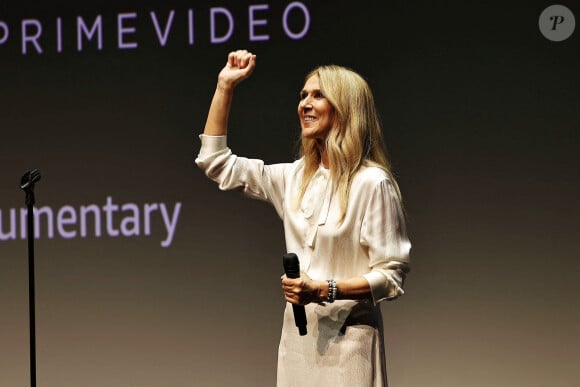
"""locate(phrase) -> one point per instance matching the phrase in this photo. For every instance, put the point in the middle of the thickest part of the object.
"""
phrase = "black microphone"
(292, 269)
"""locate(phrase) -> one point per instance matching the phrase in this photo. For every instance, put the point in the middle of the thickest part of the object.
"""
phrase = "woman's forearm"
(239, 66)
(219, 111)
(355, 288)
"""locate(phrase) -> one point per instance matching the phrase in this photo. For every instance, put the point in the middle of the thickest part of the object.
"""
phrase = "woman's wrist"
(225, 86)
(322, 290)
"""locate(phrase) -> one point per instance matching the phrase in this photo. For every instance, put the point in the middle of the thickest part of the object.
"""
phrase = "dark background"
(481, 120)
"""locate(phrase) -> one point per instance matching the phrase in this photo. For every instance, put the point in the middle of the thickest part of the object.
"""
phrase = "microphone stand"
(27, 184)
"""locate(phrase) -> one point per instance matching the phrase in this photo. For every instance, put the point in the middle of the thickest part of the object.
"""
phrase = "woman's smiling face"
(315, 111)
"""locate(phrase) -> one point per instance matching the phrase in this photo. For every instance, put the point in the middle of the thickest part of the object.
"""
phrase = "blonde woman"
(342, 215)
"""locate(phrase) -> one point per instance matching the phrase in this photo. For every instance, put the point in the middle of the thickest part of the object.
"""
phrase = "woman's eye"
(316, 94)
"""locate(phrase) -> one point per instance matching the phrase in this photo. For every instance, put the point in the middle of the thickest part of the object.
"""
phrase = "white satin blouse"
(344, 344)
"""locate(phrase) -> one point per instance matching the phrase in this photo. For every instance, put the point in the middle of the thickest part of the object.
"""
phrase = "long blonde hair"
(355, 138)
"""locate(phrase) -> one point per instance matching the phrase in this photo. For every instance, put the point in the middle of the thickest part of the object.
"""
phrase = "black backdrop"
(481, 117)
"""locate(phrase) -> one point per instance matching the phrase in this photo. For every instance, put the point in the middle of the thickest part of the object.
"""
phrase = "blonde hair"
(355, 138)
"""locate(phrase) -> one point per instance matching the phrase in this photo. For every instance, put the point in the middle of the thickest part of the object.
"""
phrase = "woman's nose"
(306, 102)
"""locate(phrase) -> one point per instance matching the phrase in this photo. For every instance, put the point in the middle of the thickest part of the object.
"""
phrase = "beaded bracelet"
(331, 291)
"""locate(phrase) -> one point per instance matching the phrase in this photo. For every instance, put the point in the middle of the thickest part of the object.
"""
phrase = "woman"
(342, 216)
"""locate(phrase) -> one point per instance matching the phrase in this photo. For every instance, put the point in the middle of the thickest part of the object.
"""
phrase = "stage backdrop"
(147, 275)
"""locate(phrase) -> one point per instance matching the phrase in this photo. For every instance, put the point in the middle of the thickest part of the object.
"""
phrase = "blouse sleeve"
(251, 176)
(384, 233)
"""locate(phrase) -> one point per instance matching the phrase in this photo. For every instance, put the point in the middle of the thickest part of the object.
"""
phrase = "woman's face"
(316, 114)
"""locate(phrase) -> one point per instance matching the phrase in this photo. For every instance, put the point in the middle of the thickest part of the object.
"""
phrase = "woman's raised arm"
(239, 66)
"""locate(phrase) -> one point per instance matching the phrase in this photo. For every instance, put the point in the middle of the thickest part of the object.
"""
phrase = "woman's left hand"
(303, 290)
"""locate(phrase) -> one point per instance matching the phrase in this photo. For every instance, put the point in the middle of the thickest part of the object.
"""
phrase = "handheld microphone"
(292, 270)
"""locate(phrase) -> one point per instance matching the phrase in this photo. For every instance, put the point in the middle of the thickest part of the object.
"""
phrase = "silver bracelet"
(331, 291)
